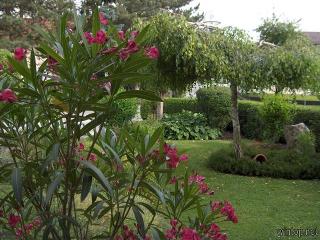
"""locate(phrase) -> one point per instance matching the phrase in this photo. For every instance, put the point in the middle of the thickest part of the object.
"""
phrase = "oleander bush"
(72, 177)
(280, 163)
(188, 126)
(215, 103)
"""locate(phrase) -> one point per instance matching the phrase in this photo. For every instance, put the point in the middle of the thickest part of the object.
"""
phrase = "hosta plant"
(69, 176)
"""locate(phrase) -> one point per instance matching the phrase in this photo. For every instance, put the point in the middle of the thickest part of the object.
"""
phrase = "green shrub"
(311, 118)
(215, 103)
(123, 111)
(305, 144)
(177, 105)
(276, 112)
(188, 126)
(281, 163)
(250, 121)
(148, 109)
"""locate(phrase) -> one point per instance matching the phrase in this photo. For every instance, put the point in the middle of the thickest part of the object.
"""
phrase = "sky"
(248, 14)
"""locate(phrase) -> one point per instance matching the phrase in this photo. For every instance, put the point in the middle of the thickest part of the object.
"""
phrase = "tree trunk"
(235, 121)
(159, 110)
(138, 117)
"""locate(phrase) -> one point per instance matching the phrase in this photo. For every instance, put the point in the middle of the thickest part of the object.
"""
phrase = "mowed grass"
(263, 205)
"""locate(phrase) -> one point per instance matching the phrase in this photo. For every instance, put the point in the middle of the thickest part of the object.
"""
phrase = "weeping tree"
(182, 47)
(238, 67)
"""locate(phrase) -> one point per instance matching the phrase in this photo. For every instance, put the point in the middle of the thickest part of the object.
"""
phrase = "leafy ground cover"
(262, 204)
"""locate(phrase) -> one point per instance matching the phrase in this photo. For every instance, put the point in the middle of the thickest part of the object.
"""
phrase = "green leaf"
(52, 188)
(49, 51)
(97, 174)
(21, 68)
(86, 186)
(143, 94)
(17, 184)
(52, 156)
(140, 221)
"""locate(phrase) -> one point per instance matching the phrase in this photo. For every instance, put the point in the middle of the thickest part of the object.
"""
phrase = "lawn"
(263, 205)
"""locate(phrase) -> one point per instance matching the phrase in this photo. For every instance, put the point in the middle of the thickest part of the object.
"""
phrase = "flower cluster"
(103, 19)
(16, 224)
(128, 234)
(8, 96)
(172, 157)
(20, 54)
(226, 209)
(91, 157)
(99, 38)
(199, 180)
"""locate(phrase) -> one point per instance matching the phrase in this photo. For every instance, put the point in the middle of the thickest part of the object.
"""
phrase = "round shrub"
(123, 111)
(215, 103)
(276, 112)
(147, 109)
(177, 105)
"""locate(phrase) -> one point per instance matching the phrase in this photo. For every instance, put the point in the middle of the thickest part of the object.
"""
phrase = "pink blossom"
(52, 62)
(228, 211)
(20, 53)
(171, 234)
(109, 50)
(215, 206)
(100, 37)
(174, 223)
(220, 236)
(1, 67)
(13, 220)
(134, 34)
(103, 19)
(92, 157)
(19, 233)
(173, 180)
(195, 178)
(89, 37)
(123, 54)
(107, 86)
(121, 35)
(203, 187)
(152, 52)
(214, 228)
(189, 234)
(184, 157)
(132, 46)
(81, 147)
(7, 95)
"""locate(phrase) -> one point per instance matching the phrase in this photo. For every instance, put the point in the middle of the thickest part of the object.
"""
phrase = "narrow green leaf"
(20, 68)
(53, 155)
(53, 187)
(16, 179)
(86, 186)
(97, 174)
(140, 221)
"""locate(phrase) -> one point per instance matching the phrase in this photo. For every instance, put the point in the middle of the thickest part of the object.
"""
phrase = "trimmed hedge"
(280, 163)
(215, 103)
(177, 105)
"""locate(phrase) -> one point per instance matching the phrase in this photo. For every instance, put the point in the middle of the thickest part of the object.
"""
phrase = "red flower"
(195, 178)
(13, 220)
(20, 53)
(152, 52)
(174, 223)
(100, 37)
(173, 180)
(1, 67)
(134, 34)
(228, 211)
(7, 95)
(109, 50)
(184, 157)
(214, 228)
(220, 236)
(215, 206)
(103, 19)
(92, 157)
(121, 35)
(132, 47)
(81, 146)
(203, 187)
(123, 54)
(89, 37)
(189, 234)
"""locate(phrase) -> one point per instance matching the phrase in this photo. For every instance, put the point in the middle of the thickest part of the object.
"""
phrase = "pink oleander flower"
(109, 50)
(106, 86)
(195, 178)
(81, 147)
(173, 180)
(216, 206)
(1, 67)
(89, 37)
(229, 211)
(174, 223)
(203, 187)
(19, 233)
(92, 157)
(184, 157)
(132, 46)
(122, 35)
(20, 54)
(13, 220)
(152, 52)
(124, 54)
(214, 228)
(7, 95)
(101, 37)
(189, 234)
(134, 34)
(220, 236)
(103, 19)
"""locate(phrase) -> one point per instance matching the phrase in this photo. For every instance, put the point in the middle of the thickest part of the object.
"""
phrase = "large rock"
(292, 132)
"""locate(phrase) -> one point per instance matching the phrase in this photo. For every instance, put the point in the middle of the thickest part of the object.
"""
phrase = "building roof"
(314, 37)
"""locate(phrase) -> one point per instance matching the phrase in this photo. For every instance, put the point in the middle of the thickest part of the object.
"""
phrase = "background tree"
(18, 18)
